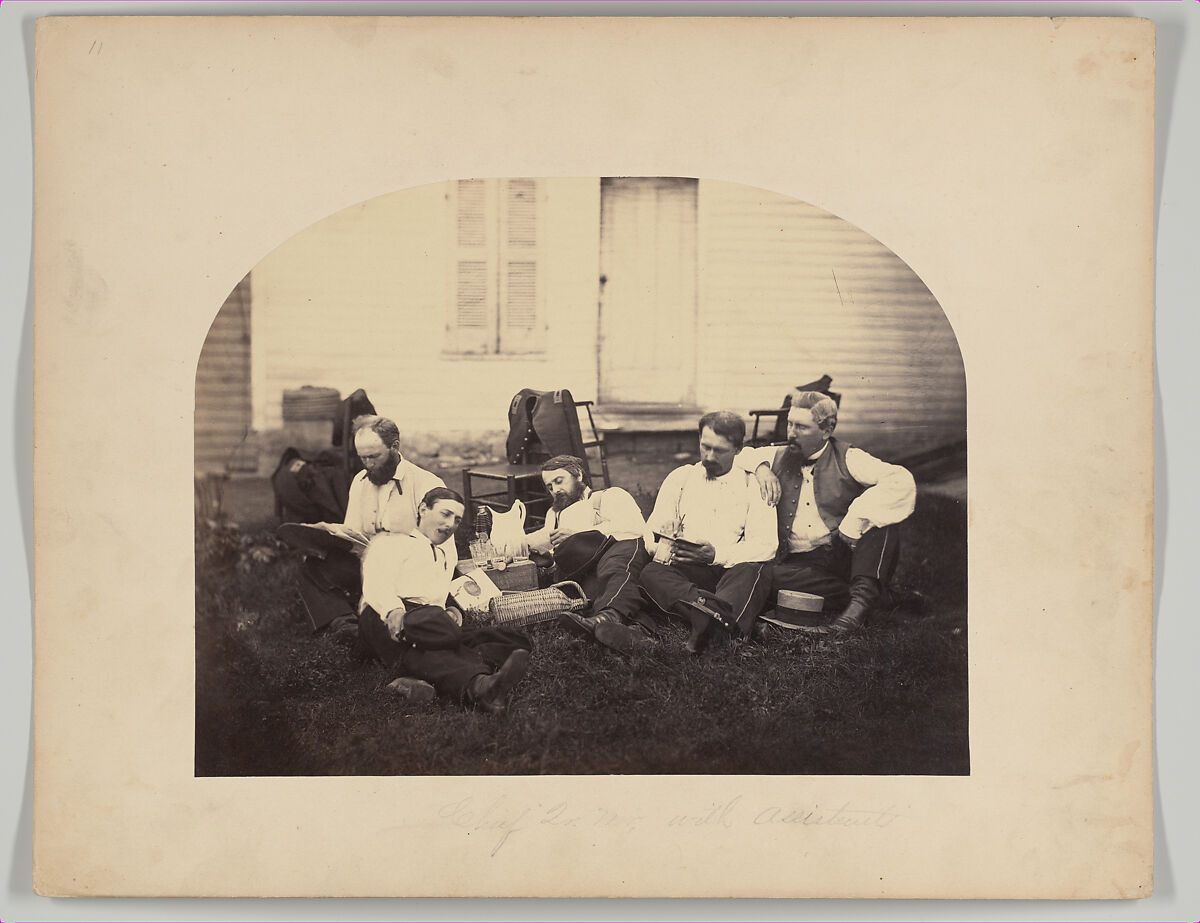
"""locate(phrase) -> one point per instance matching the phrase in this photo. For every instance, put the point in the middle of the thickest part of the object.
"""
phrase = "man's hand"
(704, 554)
(768, 484)
(558, 536)
(395, 622)
(852, 542)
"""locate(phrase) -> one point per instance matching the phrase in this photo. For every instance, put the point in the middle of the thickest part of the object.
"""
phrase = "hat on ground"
(797, 610)
(580, 552)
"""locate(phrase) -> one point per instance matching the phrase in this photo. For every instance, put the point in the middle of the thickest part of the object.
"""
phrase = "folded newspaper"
(320, 538)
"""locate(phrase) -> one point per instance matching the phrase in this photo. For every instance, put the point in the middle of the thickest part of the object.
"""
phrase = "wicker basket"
(516, 610)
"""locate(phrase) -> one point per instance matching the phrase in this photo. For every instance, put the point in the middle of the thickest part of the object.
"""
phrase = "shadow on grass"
(273, 699)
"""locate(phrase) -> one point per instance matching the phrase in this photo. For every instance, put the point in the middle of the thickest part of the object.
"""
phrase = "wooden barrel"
(310, 403)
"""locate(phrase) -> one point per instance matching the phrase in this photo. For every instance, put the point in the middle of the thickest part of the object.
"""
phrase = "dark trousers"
(613, 584)
(330, 586)
(740, 592)
(433, 648)
(838, 571)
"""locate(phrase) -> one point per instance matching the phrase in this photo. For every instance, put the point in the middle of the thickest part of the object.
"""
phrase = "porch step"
(645, 418)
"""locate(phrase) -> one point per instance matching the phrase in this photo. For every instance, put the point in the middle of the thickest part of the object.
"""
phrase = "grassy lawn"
(274, 699)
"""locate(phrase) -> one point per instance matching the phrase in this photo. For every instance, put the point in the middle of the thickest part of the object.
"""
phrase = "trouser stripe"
(750, 595)
(882, 549)
(628, 564)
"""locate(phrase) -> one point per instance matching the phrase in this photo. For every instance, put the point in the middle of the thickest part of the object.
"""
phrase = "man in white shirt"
(838, 510)
(404, 621)
(384, 497)
(721, 580)
(578, 528)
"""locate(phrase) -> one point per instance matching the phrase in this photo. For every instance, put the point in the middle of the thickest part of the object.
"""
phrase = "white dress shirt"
(401, 568)
(392, 507)
(889, 498)
(613, 512)
(727, 512)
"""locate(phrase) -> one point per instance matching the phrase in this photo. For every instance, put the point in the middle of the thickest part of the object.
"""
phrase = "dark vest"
(835, 489)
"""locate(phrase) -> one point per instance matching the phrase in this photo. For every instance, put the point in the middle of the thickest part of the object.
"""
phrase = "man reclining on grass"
(403, 619)
(837, 508)
(596, 538)
(718, 576)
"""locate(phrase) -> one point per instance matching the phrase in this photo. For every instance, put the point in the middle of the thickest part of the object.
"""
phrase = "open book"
(665, 552)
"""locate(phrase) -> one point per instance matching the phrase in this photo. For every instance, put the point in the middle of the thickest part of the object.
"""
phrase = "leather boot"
(609, 630)
(704, 619)
(851, 619)
(864, 593)
(605, 628)
(488, 692)
(414, 690)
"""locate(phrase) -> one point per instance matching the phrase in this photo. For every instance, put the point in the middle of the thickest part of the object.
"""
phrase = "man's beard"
(384, 472)
(712, 470)
(562, 499)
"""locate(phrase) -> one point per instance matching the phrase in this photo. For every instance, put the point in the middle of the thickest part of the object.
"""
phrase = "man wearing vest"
(838, 510)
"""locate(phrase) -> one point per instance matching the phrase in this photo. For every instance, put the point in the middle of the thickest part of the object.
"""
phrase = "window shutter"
(522, 325)
(472, 322)
(496, 283)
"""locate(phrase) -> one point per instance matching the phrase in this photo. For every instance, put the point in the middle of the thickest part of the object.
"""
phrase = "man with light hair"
(711, 566)
(837, 510)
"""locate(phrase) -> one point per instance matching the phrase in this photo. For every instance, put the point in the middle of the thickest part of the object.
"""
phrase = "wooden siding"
(786, 292)
(223, 387)
(361, 299)
(789, 292)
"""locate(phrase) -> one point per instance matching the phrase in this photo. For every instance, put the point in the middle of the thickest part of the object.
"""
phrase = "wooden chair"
(542, 424)
(778, 431)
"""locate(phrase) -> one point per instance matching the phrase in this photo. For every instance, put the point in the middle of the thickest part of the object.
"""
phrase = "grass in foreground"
(273, 699)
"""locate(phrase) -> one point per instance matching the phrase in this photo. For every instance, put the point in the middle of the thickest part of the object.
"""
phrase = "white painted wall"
(786, 293)
(789, 292)
(361, 298)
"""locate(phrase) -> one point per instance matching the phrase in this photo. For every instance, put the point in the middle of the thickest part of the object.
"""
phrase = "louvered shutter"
(471, 326)
(522, 326)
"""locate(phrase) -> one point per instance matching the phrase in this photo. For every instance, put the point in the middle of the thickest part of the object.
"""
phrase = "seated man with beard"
(384, 497)
(596, 538)
(405, 623)
(838, 510)
(719, 577)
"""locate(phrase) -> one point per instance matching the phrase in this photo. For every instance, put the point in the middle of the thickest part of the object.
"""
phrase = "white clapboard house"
(658, 298)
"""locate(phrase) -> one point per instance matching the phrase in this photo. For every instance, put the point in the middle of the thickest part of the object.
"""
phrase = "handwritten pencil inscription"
(499, 820)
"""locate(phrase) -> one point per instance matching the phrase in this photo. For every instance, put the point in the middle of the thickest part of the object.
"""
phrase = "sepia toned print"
(655, 302)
